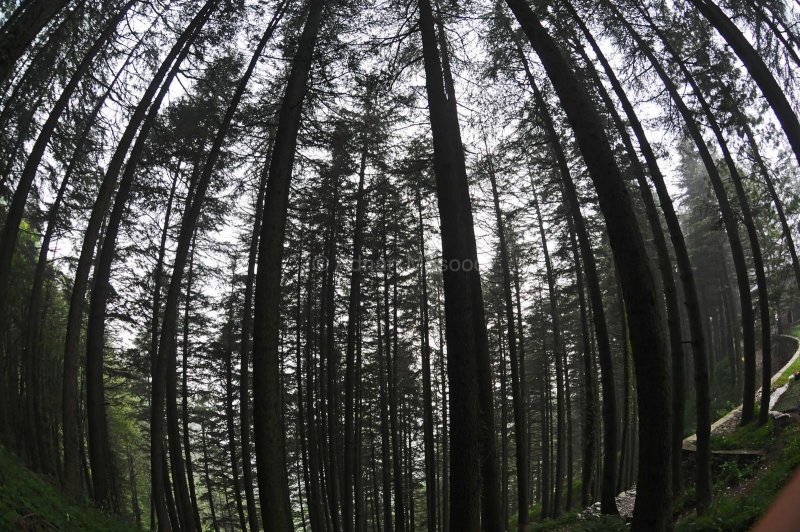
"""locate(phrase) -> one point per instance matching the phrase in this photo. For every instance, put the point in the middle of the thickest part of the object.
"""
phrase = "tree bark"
(697, 342)
(520, 426)
(90, 237)
(350, 474)
(474, 483)
(608, 504)
(653, 501)
(270, 452)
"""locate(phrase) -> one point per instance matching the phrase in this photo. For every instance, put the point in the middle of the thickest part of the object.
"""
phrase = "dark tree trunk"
(316, 503)
(670, 293)
(187, 452)
(270, 451)
(427, 400)
(558, 355)
(165, 374)
(246, 348)
(608, 504)
(350, 474)
(520, 426)
(653, 502)
(90, 237)
(383, 399)
(699, 352)
(474, 483)
(230, 422)
(99, 447)
(209, 492)
(590, 424)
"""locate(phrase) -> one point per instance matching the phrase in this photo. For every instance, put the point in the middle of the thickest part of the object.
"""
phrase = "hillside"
(33, 503)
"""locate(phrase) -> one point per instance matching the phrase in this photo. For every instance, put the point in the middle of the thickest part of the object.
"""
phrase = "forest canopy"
(379, 265)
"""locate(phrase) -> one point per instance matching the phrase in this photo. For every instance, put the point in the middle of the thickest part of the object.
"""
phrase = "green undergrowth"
(739, 509)
(572, 522)
(31, 502)
(750, 436)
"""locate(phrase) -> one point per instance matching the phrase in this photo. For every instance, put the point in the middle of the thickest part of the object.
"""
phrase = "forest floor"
(34, 503)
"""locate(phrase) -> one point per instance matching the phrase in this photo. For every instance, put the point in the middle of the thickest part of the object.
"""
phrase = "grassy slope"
(30, 502)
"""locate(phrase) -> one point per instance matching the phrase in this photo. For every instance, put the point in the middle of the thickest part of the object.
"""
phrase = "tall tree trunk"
(90, 237)
(229, 418)
(383, 399)
(35, 312)
(187, 451)
(558, 355)
(653, 501)
(350, 474)
(520, 426)
(474, 483)
(757, 68)
(670, 297)
(245, 350)
(590, 421)
(328, 351)
(270, 452)
(698, 345)
(427, 400)
(731, 227)
(99, 447)
(391, 335)
(316, 502)
(608, 504)
(209, 492)
(445, 420)
(16, 209)
(164, 378)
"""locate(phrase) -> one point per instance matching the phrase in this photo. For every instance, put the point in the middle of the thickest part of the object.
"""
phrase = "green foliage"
(573, 521)
(732, 513)
(30, 502)
(748, 437)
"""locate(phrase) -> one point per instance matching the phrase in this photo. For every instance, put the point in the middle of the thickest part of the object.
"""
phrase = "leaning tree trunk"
(732, 230)
(757, 68)
(704, 488)
(270, 452)
(670, 296)
(99, 446)
(165, 374)
(90, 237)
(653, 501)
(697, 342)
(16, 209)
(35, 315)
